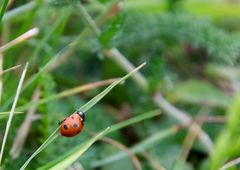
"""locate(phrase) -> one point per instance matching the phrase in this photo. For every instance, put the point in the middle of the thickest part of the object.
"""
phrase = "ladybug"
(73, 124)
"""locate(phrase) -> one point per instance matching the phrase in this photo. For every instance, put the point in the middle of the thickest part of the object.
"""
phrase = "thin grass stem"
(12, 111)
(3, 9)
(29, 34)
(10, 69)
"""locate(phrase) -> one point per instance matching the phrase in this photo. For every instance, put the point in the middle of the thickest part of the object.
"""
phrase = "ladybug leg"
(59, 123)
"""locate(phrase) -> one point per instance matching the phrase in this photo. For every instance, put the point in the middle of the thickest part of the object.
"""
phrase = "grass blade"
(49, 140)
(143, 145)
(12, 111)
(20, 39)
(96, 99)
(66, 160)
(9, 69)
(3, 9)
(84, 108)
(134, 120)
(6, 114)
(113, 128)
(66, 93)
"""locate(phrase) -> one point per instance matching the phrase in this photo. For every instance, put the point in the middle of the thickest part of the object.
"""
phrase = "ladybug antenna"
(81, 114)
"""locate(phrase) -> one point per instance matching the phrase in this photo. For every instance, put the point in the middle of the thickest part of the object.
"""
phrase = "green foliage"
(192, 53)
(200, 92)
(228, 142)
(138, 148)
(3, 8)
(174, 29)
(67, 159)
(84, 108)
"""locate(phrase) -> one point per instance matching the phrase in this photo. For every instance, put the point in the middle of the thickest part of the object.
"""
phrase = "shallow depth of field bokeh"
(180, 111)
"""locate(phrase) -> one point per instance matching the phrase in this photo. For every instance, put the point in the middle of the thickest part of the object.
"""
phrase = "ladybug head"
(81, 114)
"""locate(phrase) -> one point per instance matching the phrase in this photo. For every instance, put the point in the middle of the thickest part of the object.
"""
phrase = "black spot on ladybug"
(72, 117)
(75, 125)
(65, 127)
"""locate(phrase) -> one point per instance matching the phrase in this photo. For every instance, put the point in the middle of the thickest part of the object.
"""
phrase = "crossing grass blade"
(138, 148)
(84, 108)
(3, 9)
(96, 99)
(4, 115)
(9, 122)
(49, 140)
(7, 113)
(66, 93)
(113, 128)
(66, 160)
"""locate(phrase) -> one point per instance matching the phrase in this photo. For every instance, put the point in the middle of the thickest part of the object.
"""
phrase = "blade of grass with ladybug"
(68, 158)
(84, 109)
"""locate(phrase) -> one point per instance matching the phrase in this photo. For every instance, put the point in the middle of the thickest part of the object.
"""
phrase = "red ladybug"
(73, 124)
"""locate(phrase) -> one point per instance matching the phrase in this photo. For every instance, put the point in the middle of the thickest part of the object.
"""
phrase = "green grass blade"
(19, 11)
(7, 113)
(66, 160)
(96, 99)
(84, 108)
(12, 111)
(145, 144)
(113, 128)
(134, 120)
(49, 140)
(4, 115)
(3, 9)
(65, 93)
(62, 18)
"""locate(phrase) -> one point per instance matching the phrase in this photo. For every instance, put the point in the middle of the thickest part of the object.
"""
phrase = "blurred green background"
(192, 76)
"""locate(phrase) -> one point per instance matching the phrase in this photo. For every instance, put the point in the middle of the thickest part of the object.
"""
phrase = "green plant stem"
(66, 93)
(49, 140)
(140, 147)
(113, 128)
(3, 9)
(230, 164)
(12, 111)
(127, 66)
(123, 61)
(95, 100)
(19, 10)
(134, 120)
(29, 34)
(65, 163)
(9, 69)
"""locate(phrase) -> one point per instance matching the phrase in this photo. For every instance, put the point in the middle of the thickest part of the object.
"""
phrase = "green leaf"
(66, 160)
(200, 92)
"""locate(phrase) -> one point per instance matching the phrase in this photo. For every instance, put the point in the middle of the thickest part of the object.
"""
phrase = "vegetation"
(157, 80)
